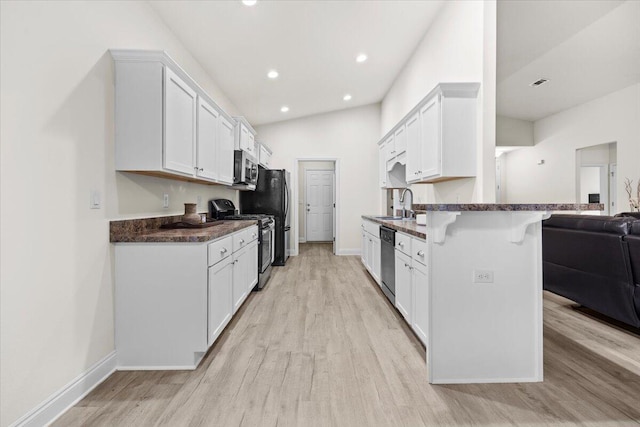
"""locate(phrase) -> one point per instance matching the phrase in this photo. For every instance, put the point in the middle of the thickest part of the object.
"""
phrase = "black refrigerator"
(272, 196)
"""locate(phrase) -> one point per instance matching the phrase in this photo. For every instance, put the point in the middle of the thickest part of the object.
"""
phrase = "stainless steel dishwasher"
(388, 262)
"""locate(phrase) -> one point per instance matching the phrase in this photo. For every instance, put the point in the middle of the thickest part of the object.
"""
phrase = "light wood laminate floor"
(321, 346)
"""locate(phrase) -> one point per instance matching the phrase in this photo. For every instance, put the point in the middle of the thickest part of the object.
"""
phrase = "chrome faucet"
(404, 210)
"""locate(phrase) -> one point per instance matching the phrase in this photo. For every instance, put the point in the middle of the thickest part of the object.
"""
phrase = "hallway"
(322, 346)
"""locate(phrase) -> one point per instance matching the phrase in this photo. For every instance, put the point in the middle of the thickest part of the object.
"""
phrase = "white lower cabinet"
(375, 259)
(412, 283)
(173, 300)
(240, 278)
(370, 251)
(420, 297)
(403, 285)
(252, 270)
(220, 298)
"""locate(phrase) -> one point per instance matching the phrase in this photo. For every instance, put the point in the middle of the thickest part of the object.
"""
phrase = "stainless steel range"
(225, 209)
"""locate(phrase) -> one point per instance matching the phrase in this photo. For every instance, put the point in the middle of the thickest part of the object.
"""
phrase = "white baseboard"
(59, 402)
(486, 380)
(349, 251)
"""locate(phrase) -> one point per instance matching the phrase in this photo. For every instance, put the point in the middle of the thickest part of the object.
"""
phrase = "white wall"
(302, 192)
(512, 132)
(612, 118)
(348, 135)
(460, 46)
(57, 143)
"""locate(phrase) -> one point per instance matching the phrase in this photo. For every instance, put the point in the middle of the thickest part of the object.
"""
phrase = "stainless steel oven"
(266, 252)
(245, 170)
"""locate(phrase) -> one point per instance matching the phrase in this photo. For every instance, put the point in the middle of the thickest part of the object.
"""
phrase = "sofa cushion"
(586, 259)
(604, 224)
(635, 228)
(635, 215)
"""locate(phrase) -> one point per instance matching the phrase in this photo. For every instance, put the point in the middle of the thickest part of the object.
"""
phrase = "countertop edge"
(120, 233)
(407, 227)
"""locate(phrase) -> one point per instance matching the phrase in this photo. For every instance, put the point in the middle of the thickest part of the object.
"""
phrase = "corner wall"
(612, 118)
(348, 135)
(57, 102)
(460, 46)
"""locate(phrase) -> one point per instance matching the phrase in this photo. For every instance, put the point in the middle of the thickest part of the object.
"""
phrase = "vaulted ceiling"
(586, 48)
(312, 44)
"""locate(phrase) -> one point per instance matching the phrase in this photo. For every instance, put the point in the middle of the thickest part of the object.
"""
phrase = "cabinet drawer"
(244, 237)
(219, 250)
(419, 250)
(403, 243)
(372, 228)
(251, 233)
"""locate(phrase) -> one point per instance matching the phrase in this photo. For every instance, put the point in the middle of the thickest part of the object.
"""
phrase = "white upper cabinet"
(179, 124)
(400, 140)
(413, 146)
(166, 125)
(246, 138)
(225, 151)
(438, 136)
(430, 139)
(264, 158)
(382, 164)
(208, 140)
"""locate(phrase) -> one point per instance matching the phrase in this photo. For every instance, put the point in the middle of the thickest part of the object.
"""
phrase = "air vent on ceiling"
(539, 82)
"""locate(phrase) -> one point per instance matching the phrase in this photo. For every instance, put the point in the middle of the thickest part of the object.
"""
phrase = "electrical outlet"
(482, 276)
(165, 201)
(199, 201)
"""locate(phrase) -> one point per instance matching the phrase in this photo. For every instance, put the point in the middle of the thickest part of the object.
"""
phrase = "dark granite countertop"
(510, 207)
(148, 230)
(410, 227)
(420, 231)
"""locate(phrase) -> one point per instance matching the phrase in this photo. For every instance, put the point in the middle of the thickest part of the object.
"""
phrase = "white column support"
(438, 224)
(520, 221)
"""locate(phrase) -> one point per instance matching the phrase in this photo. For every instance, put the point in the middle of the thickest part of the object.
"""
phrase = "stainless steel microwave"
(245, 170)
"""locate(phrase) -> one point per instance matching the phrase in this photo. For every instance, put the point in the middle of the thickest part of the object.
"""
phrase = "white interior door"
(319, 209)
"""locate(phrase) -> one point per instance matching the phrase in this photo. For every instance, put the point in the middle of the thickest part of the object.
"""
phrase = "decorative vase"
(190, 216)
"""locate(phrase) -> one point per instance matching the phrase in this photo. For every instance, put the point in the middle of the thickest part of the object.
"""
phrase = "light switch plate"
(165, 201)
(94, 199)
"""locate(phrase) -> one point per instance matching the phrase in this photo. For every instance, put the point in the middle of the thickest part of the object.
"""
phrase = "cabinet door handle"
(223, 250)
(401, 244)
(253, 235)
(241, 241)
(201, 169)
(420, 253)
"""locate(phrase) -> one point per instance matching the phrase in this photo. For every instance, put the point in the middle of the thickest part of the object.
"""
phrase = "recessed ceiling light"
(347, 97)
(272, 74)
(361, 58)
(249, 2)
(284, 109)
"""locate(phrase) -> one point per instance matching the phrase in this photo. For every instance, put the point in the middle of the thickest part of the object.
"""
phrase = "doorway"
(319, 204)
(595, 177)
(316, 207)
